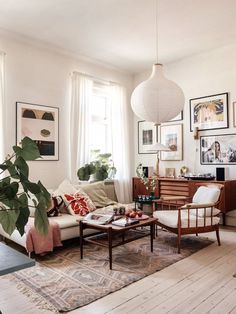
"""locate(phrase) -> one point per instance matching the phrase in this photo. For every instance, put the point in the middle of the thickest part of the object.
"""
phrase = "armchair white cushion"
(170, 218)
(204, 195)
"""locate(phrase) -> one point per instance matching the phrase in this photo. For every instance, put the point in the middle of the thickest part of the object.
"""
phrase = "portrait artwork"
(218, 149)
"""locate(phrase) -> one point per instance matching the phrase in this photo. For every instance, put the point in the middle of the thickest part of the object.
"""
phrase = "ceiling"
(122, 33)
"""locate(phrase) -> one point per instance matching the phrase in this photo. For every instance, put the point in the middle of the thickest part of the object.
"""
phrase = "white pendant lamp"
(157, 99)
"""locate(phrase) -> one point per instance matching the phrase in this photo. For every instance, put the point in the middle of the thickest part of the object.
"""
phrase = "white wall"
(201, 75)
(38, 75)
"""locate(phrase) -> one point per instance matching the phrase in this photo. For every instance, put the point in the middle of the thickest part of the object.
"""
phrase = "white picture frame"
(147, 136)
(172, 137)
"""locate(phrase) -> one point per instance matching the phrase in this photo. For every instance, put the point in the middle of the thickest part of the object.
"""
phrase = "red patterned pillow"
(79, 204)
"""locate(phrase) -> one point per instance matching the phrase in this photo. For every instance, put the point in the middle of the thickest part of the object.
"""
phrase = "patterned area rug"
(60, 281)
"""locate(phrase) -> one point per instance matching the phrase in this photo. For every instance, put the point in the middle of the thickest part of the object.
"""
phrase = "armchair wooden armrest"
(170, 202)
(194, 205)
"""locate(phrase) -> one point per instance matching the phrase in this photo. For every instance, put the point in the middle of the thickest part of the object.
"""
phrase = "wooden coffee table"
(112, 230)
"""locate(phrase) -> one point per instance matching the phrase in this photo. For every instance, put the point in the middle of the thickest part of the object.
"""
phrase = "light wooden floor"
(201, 283)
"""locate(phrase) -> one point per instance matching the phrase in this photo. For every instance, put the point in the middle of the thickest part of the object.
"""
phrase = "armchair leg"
(218, 236)
(178, 242)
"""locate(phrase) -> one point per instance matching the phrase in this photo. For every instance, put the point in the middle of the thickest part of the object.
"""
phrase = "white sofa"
(69, 225)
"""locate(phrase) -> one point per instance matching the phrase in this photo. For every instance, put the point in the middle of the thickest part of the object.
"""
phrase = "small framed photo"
(179, 117)
(40, 123)
(209, 112)
(170, 172)
(147, 136)
(218, 149)
(172, 137)
(234, 112)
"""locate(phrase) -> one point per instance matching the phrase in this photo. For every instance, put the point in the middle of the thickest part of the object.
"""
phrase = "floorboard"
(200, 283)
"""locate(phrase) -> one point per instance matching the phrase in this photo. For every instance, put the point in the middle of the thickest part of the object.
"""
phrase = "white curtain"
(120, 143)
(80, 118)
(2, 119)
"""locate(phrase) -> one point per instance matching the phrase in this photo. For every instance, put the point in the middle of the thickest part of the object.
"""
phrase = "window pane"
(99, 106)
(98, 136)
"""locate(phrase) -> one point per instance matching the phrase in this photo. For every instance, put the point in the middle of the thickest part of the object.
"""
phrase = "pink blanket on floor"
(39, 243)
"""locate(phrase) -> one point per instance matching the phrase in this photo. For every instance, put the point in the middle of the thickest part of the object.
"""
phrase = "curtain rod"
(95, 78)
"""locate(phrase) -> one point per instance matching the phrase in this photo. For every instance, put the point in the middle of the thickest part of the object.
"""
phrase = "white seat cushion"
(170, 218)
(201, 212)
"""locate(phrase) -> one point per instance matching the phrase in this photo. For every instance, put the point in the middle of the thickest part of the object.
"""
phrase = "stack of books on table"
(124, 222)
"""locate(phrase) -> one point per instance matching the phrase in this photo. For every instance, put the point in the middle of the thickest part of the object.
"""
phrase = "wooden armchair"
(202, 215)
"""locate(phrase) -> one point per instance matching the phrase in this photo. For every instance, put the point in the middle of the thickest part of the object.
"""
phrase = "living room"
(46, 47)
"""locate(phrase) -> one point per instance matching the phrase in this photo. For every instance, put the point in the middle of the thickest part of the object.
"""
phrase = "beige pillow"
(96, 191)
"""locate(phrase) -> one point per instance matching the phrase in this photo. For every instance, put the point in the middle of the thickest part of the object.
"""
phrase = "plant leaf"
(45, 194)
(3, 167)
(41, 220)
(29, 149)
(22, 166)
(11, 190)
(32, 187)
(8, 220)
(22, 220)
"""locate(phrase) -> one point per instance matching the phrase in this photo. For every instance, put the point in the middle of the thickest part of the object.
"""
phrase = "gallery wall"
(37, 74)
(209, 73)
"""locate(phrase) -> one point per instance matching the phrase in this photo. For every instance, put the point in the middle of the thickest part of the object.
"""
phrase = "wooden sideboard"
(183, 187)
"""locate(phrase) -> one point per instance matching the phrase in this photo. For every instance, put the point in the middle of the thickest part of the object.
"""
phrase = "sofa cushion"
(65, 188)
(66, 220)
(170, 218)
(78, 203)
(57, 203)
(96, 192)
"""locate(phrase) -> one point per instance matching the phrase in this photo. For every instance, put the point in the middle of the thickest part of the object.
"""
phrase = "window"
(100, 133)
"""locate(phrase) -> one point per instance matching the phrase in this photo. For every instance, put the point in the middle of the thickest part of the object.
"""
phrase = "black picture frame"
(147, 136)
(179, 117)
(218, 149)
(209, 112)
(41, 123)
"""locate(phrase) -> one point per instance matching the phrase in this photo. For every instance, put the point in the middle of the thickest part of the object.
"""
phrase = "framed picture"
(209, 112)
(234, 112)
(147, 136)
(40, 123)
(172, 137)
(218, 149)
(170, 172)
(179, 117)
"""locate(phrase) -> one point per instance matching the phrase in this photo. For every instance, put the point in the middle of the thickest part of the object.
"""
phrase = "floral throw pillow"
(79, 203)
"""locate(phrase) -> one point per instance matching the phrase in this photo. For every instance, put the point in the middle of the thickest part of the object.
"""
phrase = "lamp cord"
(156, 30)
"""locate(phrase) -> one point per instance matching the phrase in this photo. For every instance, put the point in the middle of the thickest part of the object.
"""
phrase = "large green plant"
(102, 168)
(14, 207)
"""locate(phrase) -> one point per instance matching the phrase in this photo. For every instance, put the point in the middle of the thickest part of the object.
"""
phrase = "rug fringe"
(34, 297)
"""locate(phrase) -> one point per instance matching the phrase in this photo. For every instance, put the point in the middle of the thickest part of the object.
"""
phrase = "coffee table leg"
(81, 238)
(152, 230)
(110, 246)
